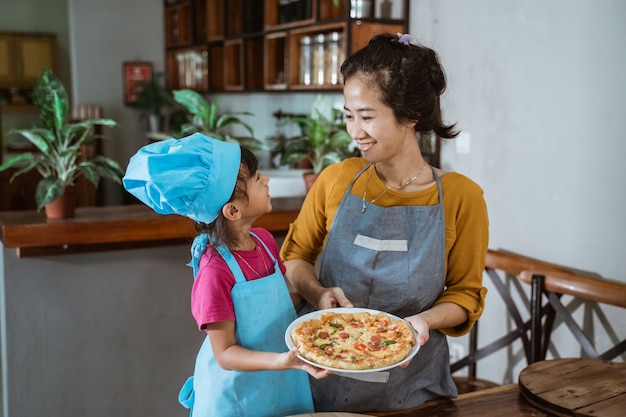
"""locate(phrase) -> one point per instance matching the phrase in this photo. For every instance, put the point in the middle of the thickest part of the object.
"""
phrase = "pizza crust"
(354, 341)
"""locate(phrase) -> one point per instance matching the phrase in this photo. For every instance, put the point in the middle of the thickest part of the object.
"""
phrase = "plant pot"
(63, 207)
(154, 123)
(309, 179)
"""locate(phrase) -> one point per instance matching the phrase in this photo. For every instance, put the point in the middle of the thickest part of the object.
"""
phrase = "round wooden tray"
(576, 387)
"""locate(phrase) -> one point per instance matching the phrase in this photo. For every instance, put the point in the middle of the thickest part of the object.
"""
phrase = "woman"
(399, 235)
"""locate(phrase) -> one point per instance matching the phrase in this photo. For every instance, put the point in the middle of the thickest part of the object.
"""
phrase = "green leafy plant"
(323, 138)
(206, 120)
(152, 95)
(59, 159)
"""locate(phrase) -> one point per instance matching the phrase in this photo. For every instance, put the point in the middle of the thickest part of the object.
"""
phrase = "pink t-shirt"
(211, 300)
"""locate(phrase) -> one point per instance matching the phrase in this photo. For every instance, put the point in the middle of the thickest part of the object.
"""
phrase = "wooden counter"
(114, 228)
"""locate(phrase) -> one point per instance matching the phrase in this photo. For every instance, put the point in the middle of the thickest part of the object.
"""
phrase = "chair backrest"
(504, 269)
(582, 290)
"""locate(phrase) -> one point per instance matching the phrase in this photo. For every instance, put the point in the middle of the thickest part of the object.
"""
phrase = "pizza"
(354, 341)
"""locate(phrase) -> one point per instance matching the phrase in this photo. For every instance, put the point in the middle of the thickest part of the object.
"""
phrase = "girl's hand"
(291, 361)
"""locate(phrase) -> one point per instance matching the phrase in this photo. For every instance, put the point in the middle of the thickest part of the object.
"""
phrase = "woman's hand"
(440, 316)
(332, 297)
(301, 275)
(421, 327)
(291, 361)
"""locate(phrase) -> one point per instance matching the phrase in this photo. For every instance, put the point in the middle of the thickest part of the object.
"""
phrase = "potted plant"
(205, 119)
(59, 157)
(322, 140)
(152, 99)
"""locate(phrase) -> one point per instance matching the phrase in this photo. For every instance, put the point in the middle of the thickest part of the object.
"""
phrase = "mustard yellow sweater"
(467, 228)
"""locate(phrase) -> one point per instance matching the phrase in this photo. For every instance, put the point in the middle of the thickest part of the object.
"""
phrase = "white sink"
(286, 182)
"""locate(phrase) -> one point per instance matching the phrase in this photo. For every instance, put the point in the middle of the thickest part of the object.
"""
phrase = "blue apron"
(390, 259)
(263, 311)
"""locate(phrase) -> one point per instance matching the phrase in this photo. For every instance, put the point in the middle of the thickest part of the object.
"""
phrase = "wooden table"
(576, 387)
(559, 387)
(502, 401)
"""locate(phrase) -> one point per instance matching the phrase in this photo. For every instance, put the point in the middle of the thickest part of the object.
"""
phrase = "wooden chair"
(501, 267)
(592, 292)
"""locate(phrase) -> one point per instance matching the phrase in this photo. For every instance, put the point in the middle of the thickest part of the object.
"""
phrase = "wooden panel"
(233, 18)
(362, 32)
(215, 19)
(24, 56)
(216, 67)
(275, 63)
(7, 63)
(37, 53)
(329, 11)
(253, 63)
(233, 65)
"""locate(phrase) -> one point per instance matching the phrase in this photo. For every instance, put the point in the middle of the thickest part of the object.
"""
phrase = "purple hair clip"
(406, 39)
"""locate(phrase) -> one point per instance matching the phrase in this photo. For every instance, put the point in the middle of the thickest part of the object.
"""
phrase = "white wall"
(539, 85)
(104, 34)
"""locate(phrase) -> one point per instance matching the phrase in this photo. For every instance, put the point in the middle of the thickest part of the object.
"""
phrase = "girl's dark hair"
(217, 230)
(409, 77)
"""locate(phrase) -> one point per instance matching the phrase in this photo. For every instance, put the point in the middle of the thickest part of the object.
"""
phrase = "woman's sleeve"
(467, 240)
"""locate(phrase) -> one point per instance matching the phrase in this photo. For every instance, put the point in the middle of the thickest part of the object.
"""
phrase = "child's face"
(259, 201)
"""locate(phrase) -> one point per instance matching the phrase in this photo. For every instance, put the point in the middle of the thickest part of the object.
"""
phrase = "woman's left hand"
(440, 316)
(421, 327)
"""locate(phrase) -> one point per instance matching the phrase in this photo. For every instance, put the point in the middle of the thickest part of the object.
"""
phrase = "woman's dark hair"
(217, 229)
(409, 77)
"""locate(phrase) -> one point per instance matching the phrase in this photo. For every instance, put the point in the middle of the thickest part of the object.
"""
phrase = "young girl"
(239, 297)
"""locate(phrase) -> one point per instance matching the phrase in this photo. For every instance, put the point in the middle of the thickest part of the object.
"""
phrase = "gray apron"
(390, 259)
(263, 311)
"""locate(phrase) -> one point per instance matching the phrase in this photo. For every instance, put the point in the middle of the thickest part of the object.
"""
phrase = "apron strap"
(231, 262)
(269, 252)
(186, 395)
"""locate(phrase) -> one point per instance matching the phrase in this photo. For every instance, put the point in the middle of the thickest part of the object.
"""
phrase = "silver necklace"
(259, 275)
(365, 205)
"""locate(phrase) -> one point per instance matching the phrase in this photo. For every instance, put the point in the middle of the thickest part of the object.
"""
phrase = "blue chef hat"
(193, 177)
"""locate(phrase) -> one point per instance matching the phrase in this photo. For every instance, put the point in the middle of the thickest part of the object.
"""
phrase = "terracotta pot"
(309, 179)
(63, 207)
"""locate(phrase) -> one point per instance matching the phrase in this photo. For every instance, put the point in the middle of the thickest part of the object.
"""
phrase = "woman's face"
(372, 124)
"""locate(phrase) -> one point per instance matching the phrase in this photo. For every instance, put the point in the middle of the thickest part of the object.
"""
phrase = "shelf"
(251, 45)
(275, 70)
(215, 20)
(233, 64)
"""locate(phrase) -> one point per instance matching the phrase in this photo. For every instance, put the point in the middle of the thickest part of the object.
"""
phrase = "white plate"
(318, 313)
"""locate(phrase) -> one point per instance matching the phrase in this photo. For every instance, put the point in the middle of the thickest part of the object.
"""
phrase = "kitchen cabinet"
(284, 45)
(23, 57)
